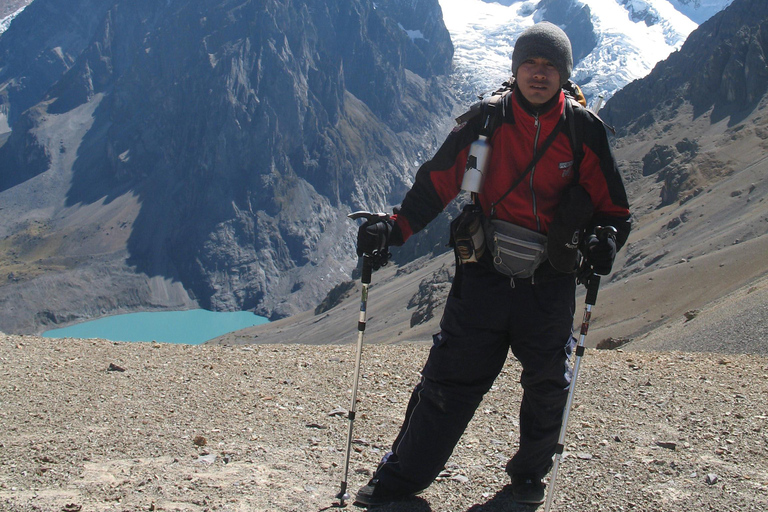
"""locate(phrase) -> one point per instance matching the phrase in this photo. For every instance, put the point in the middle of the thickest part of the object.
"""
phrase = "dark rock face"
(671, 165)
(25, 154)
(431, 296)
(722, 65)
(248, 129)
(432, 50)
(643, 13)
(575, 19)
(35, 52)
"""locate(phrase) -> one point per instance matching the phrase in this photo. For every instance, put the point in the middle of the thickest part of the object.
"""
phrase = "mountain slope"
(210, 148)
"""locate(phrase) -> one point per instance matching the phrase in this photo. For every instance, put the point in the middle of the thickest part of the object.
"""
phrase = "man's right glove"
(601, 251)
(373, 240)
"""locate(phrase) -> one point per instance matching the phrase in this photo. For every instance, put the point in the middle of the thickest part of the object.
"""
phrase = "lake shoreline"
(187, 327)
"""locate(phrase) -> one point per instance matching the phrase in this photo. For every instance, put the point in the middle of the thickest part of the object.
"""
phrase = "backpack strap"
(489, 106)
(577, 146)
(574, 108)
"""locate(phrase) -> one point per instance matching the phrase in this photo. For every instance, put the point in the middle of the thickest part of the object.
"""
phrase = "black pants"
(484, 318)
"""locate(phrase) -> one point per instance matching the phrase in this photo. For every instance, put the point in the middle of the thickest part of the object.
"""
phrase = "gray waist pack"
(516, 251)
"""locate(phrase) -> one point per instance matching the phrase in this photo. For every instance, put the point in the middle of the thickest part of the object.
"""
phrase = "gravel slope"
(257, 428)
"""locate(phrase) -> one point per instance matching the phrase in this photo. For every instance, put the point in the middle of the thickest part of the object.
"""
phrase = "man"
(488, 313)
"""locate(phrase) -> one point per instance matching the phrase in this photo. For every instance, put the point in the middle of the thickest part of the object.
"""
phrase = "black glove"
(373, 241)
(600, 253)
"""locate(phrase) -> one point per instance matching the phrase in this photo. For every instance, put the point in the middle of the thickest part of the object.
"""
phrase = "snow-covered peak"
(632, 36)
(700, 11)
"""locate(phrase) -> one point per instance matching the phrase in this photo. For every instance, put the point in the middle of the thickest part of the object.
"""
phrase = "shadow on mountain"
(90, 183)
(23, 153)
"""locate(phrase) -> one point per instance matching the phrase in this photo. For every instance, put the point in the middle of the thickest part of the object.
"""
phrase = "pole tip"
(343, 497)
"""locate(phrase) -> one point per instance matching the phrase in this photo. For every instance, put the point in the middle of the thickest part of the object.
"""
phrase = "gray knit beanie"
(547, 41)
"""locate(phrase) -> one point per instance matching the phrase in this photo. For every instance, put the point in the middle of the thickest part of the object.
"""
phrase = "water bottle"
(477, 165)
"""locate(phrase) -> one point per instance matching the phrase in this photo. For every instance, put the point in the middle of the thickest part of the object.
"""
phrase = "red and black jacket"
(533, 202)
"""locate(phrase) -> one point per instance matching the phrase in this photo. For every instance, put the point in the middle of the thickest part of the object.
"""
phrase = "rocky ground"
(92, 425)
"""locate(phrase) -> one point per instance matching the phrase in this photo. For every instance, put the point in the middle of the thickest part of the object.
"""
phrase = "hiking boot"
(527, 489)
(372, 494)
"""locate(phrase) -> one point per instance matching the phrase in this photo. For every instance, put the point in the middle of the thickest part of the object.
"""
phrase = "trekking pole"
(593, 284)
(368, 267)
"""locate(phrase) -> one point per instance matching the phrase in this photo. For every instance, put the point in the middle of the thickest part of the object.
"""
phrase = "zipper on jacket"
(537, 125)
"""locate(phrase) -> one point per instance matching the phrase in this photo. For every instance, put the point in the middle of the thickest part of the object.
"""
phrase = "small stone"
(690, 315)
(711, 479)
(207, 459)
(669, 445)
(200, 441)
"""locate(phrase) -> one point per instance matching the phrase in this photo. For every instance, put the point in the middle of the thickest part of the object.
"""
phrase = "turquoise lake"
(191, 327)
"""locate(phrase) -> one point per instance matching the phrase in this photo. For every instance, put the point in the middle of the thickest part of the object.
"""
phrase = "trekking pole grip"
(367, 270)
(593, 285)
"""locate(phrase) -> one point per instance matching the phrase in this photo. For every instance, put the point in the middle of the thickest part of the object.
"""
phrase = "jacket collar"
(553, 107)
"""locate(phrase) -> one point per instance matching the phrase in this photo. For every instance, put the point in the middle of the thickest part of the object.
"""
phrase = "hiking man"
(492, 309)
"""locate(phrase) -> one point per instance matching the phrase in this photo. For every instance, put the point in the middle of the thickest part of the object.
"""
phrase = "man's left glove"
(601, 251)
(373, 240)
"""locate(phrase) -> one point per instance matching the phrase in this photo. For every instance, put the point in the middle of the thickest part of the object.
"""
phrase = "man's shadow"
(501, 502)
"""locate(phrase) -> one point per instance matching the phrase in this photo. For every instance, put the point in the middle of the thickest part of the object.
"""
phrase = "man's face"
(538, 80)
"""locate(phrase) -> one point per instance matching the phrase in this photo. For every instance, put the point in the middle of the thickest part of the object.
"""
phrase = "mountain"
(722, 66)
(204, 154)
(198, 152)
(691, 143)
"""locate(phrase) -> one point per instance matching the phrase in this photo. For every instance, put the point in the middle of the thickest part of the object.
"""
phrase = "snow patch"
(413, 34)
